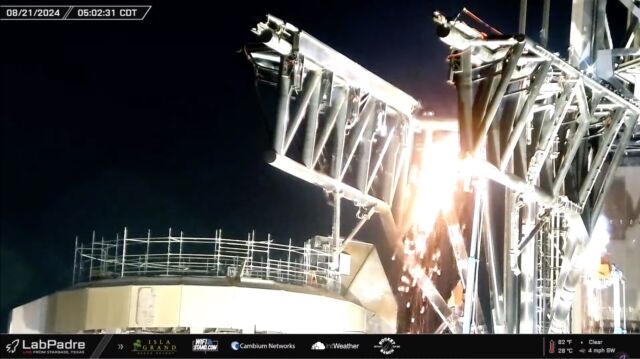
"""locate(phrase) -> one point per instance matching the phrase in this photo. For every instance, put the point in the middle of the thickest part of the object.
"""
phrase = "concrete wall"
(116, 308)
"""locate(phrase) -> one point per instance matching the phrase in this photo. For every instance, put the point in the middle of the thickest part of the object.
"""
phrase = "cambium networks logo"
(387, 346)
(46, 346)
(154, 347)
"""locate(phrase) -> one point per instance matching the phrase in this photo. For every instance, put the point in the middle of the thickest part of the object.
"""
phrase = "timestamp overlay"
(73, 12)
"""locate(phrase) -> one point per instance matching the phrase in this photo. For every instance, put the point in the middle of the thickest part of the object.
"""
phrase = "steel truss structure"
(549, 129)
(346, 130)
(549, 134)
(338, 125)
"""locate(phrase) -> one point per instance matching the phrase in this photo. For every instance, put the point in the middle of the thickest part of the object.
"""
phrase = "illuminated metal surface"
(548, 134)
(344, 129)
(543, 148)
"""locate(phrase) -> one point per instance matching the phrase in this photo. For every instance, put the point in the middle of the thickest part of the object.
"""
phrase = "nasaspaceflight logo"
(387, 346)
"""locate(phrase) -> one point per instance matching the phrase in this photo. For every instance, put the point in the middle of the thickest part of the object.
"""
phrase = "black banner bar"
(74, 12)
(319, 346)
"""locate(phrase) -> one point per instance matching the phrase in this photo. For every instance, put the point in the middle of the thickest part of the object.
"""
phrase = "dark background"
(155, 124)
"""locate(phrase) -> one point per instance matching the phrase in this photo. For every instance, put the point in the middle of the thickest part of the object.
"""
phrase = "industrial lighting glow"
(436, 180)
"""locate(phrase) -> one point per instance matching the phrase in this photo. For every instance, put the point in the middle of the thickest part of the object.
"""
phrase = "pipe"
(363, 121)
(523, 117)
(465, 102)
(308, 92)
(381, 156)
(511, 234)
(282, 111)
(311, 128)
(492, 268)
(365, 143)
(532, 234)
(615, 162)
(571, 271)
(544, 33)
(515, 183)
(576, 141)
(336, 218)
(496, 100)
(549, 132)
(439, 305)
(472, 265)
(599, 158)
(341, 123)
(575, 73)
(336, 110)
(457, 244)
(522, 20)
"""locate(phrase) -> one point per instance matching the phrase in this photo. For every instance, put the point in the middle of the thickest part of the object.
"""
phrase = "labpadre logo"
(153, 347)
(13, 346)
(46, 347)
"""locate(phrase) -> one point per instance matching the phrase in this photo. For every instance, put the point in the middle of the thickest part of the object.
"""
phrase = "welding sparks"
(437, 181)
(439, 172)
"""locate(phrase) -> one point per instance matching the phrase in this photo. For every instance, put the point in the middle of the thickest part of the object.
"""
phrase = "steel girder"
(554, 128)
(338, 125)
(346, 130)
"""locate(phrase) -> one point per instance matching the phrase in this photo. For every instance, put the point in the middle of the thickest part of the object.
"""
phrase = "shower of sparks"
(437, 180)
(435, 185)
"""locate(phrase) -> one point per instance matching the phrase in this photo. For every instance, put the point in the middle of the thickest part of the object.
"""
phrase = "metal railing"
(204, 257)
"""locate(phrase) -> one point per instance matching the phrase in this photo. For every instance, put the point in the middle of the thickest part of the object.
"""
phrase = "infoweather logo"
(235, 345)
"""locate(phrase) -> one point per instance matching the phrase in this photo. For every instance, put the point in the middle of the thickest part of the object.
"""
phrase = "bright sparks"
(435, 182)
(439, 172)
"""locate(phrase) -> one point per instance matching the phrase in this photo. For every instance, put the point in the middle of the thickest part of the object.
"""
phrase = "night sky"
(155, 124)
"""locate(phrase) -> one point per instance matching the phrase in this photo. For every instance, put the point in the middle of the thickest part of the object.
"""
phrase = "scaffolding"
(179, 256)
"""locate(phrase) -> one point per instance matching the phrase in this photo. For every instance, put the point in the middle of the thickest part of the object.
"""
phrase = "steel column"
(599, 158)
(525, 112)
(336, 111)
(313, 81)
(549, 132)
(577, 139)
(282, 110)
(630, 125)
(509, 66)
(311, 128)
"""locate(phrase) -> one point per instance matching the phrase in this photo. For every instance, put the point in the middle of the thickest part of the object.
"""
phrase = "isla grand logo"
(154, 347)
